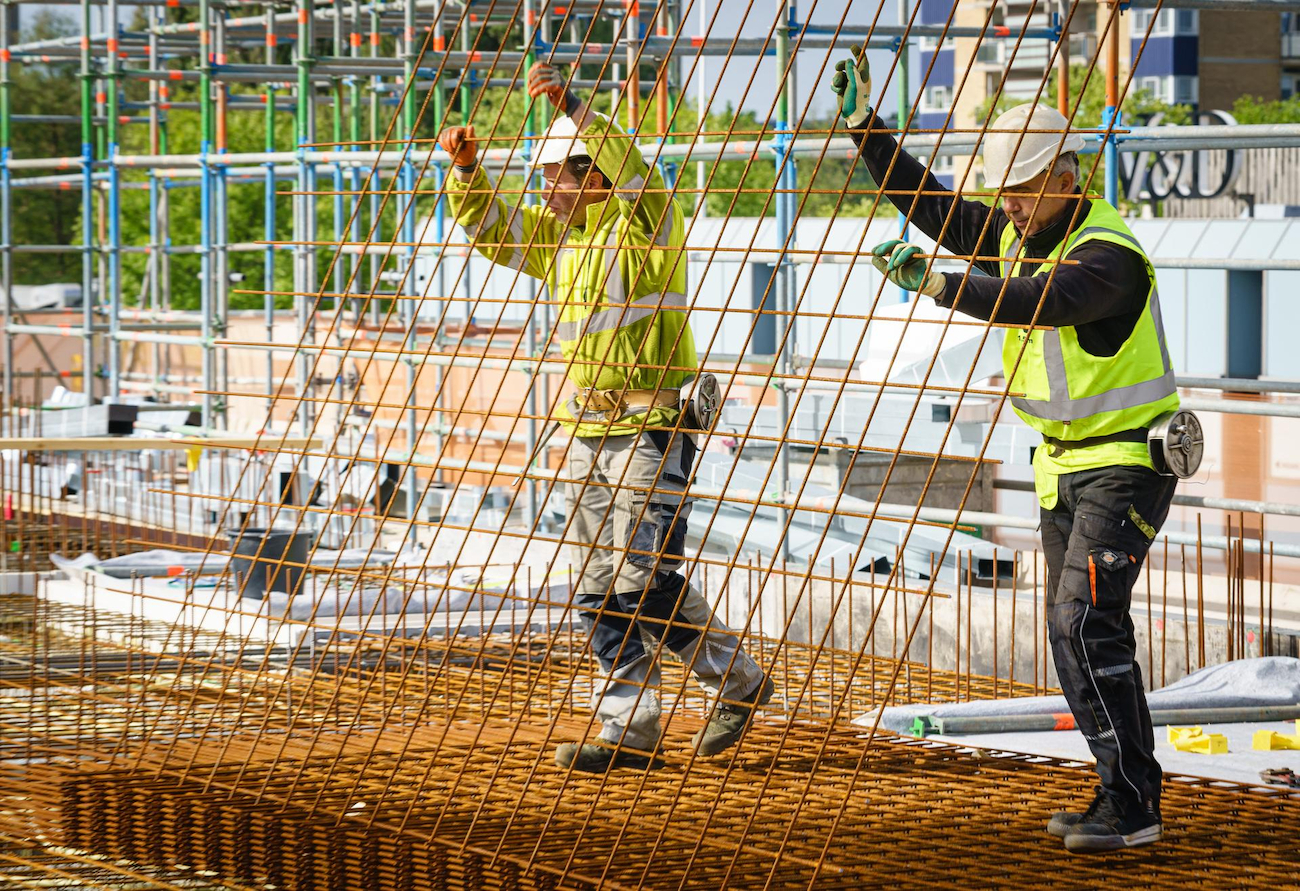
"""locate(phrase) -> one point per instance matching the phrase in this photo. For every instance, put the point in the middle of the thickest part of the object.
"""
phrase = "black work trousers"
(1095, 540)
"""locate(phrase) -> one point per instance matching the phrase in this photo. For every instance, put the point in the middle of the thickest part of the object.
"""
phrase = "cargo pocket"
(658, 539)
(1109, 570)
(1109, 553)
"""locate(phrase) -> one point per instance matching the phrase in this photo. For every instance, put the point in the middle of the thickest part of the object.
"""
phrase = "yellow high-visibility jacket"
(1072, 395)
(619, 278)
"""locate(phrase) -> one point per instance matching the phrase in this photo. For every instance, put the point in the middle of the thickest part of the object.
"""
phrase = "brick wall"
(1239, 56)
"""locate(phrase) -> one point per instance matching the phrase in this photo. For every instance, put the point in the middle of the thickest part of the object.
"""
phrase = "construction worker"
(620, 278)
(1091, 387)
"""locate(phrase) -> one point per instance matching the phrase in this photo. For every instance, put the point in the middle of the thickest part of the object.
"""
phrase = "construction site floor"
(173, 770)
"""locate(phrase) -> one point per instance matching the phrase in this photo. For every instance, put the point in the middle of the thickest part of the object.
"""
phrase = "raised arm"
(512, 235)
(969, 230)
(637, 187)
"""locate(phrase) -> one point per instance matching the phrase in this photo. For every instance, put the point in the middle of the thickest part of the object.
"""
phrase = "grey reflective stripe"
(1058, 382)
(631, 190)
(615, 289)
(1112, 400)
(1154, 302)
(664, 237)
(1092, 230)
(514, 235)
(489, 220)
(620, 316)
(506, 255)
(1112, 670)
(1008, 265)
(1059, 406)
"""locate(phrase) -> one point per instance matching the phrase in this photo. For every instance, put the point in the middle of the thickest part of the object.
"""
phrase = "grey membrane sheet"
(1270, 680)
(159, 562)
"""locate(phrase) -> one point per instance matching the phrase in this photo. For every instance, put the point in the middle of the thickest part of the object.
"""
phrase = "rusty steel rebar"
(169, 732)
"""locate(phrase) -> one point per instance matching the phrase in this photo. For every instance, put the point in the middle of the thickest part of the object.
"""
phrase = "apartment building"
(989, 63)
(1203, 58)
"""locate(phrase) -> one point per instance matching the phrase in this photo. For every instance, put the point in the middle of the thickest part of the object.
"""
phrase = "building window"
(990, 52)
(1186, 90)
(1187, 21)
(1160, 24)
(936, 98)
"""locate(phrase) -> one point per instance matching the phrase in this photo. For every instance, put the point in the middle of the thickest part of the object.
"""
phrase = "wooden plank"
(268, 443)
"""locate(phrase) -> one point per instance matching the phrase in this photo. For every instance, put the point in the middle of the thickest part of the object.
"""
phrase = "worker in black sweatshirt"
(1092, 376)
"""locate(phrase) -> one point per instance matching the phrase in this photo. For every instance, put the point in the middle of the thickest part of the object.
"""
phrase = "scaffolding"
(358, 87)
(385, 748)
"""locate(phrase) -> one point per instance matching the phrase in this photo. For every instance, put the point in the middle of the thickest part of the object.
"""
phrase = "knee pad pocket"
(657, 534)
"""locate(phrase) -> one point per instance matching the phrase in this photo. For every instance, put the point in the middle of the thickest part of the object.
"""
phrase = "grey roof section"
(819, 537)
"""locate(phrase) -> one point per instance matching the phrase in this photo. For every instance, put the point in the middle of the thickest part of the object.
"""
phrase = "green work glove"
(852, 83)
(899, 262)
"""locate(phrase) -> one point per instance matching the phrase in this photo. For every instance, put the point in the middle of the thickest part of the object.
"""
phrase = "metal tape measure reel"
(700, 403)
(1176, 443)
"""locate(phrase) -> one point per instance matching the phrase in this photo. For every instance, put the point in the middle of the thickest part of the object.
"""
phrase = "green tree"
(1255, 110)
(44, 215)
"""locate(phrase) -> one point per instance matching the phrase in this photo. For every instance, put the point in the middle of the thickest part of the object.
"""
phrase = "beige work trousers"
(632, 546)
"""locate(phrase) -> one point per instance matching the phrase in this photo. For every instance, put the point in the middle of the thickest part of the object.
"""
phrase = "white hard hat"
(560, 143)
(1036, 148)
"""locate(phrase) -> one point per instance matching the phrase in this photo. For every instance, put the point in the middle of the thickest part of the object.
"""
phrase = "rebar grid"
(414, 748)
(914, 813)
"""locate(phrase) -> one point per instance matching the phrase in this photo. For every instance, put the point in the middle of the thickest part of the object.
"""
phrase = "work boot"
(594, 758)
(1112, 825)
(728, 723)
(1063, 821)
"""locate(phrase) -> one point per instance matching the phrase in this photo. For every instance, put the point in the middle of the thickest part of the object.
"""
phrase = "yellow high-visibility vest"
(1069, 394)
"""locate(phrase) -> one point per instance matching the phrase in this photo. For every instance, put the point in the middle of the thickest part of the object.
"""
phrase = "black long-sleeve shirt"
(1103, 296)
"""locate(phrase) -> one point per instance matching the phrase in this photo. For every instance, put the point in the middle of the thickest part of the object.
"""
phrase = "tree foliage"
(45, 216)
(1255, 110)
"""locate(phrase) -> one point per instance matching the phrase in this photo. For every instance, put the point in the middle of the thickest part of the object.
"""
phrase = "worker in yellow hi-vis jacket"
(609, 241)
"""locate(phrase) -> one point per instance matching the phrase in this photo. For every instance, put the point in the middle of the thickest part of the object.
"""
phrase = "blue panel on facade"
(1164, 56)
(930, 120)
(943, 73)
(936, 12)
(944, 67)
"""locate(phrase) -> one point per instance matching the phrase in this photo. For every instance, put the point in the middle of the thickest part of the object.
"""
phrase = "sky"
(813, 68)
(732, 76)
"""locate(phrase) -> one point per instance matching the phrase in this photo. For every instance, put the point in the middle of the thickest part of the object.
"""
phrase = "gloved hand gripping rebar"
(900, 262)
(852, 83)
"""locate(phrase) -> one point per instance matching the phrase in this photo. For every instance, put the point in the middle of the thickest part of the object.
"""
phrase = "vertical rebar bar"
(88, 295)
(1111, 117)
(114, 283)
(6, 213)
(206, 303)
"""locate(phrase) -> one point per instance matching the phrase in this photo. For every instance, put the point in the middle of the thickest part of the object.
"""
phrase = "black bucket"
(276, 545)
